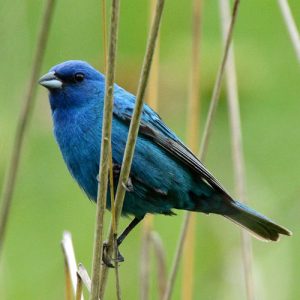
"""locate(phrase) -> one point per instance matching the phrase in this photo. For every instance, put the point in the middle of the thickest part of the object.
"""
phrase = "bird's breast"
(78, 136)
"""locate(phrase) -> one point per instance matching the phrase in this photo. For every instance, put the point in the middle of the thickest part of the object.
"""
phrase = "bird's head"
(72, 84)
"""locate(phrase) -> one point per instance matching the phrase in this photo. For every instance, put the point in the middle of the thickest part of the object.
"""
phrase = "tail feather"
(259, 225)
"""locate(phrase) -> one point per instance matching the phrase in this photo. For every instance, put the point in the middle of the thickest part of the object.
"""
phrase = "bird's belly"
(81, 155)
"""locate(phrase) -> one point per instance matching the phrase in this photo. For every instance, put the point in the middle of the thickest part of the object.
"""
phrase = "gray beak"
(50, 81)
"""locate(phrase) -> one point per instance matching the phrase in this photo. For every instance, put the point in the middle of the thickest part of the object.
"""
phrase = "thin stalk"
(237, 147)
(145, 257)
(70, 264)
(160, 255)
(152, 101)
(217, 87)
(24, 118)
(193, 121)
(291, 25)
(133, 132)
(111, 174)
(152, 94)
(105, 151)
(79, 294)
(204, 144)
(176, 259)
(83, 274)
(104, 31)
(117, 275)
(68, 283)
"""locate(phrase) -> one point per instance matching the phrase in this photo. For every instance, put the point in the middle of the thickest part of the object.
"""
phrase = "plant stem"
(152, 101)
(105, 152)
(70, 261)
(237, 147)
(24, 118)
(160, 256)
(204, 144)
(133, 132)
(291, 25)
(79, 295)
(193, 121)
(83, 274)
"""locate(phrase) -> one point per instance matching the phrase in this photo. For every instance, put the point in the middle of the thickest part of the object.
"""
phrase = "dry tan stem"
(133, 132)
(204, 143)
(237, 146)
(193, 121)
(291, 25)
(111, 177)
(145, 258)
(104, 31)
(83, 274)
(79, 294)
(105, 152)
(217, 86)
(176, 260)
(152, 101)
(161, 262)
(68, 283)
(70, 260)
(24, 118)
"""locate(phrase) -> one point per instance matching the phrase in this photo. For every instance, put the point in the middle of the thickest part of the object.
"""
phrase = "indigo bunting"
(165, 174)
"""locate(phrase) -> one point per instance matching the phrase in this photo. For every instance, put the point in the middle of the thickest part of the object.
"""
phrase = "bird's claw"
(108, 260)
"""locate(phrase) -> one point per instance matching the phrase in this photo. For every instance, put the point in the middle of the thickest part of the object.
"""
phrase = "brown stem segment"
(203, 148)
(105, 151)
(24, 118)
(133, 132)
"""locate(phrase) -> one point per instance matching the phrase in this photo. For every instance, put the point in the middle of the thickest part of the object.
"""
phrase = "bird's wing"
(155, 129)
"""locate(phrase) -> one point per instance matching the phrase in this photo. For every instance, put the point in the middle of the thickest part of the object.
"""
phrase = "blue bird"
(165, 174)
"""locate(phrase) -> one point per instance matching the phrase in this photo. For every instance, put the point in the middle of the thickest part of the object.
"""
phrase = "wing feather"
(154, 128)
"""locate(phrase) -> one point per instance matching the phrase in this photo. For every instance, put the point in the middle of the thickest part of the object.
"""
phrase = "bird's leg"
(105, 258)
(128, 229)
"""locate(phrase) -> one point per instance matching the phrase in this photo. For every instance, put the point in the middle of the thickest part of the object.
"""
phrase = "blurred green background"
(47, 200)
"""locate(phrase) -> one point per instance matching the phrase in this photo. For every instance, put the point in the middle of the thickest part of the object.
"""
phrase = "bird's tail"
(260, 226)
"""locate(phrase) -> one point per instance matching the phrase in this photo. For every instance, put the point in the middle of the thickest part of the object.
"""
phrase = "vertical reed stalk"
(152, 101)
(237, 147)
(68, 283)
(70, 265)
(160, 256)
(291, 25)
(104, 32)
(192, 141)
(24, 118)
(78, 288)
(133, 132)
(111, 174)
(105, 151)
(83, 274)
(145, 257)
(204, 144)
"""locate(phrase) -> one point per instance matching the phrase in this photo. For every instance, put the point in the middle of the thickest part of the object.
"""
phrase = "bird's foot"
(108, 260)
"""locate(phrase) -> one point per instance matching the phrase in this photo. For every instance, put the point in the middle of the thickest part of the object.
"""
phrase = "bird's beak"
(50, 81)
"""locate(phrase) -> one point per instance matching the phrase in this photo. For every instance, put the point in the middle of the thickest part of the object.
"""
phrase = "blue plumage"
(165, 175)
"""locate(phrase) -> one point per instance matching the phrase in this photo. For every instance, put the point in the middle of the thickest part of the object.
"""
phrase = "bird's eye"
(79, 77)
